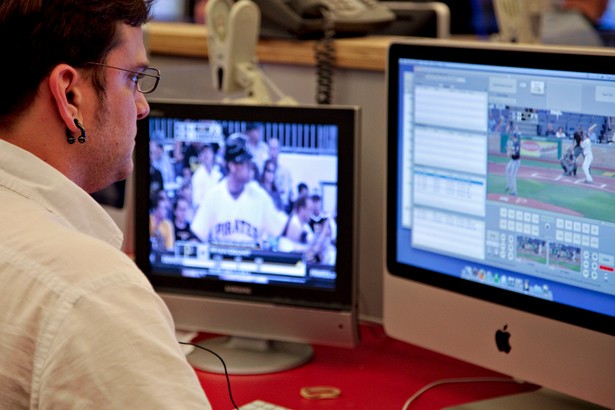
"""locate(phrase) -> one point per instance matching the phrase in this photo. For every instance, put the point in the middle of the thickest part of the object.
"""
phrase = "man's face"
(161, 210)
(254, 136)
(112, 122)
(155, 151)
(181, 210)
(316, 207)
(269, 172)
(304, 213)
(274, 148)
(206, 156)
(240, 171)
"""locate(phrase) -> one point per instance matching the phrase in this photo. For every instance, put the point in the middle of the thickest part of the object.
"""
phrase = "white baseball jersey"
(246, 219)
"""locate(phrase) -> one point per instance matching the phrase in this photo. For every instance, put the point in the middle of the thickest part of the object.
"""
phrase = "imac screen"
(249, 209)
(502, 194)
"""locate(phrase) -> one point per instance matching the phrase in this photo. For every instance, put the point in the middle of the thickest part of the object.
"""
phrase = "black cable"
(324, 54)
(228, 380)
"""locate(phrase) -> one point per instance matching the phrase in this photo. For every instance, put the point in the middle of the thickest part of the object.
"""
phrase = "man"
(162, 162)
(161, 229)
(325, 233)
(207, 175)
(319, 215)
(298, 230)
(182, 211)
(592, 9)
(283, 177)
(256, 146)
(588, 157)
(513, 150)
(237, 211)
(550, 131)
(80, 325)
(568, 162)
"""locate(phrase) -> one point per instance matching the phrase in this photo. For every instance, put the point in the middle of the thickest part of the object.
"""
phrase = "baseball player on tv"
(238, 211)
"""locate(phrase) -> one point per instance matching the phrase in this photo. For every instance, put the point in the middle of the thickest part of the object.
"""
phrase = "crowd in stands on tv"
(234, 190)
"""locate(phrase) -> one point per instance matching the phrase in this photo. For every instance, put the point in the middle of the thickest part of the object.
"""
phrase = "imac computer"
(245, 225)
(501, 210)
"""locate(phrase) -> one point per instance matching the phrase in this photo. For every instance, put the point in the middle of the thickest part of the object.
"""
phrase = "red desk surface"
(380, 373)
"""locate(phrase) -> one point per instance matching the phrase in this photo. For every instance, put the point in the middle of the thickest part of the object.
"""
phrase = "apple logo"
(502, 339)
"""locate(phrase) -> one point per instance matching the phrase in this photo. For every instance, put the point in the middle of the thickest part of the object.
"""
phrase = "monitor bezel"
(540, 57)
(343, 297)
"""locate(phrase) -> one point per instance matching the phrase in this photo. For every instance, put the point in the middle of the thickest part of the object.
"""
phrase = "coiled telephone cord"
(324, 53)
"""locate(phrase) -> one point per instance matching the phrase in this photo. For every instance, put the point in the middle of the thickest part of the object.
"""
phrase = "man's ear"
(64, 85)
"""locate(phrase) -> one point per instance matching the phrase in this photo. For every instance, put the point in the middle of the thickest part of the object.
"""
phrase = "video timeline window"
(244, 201)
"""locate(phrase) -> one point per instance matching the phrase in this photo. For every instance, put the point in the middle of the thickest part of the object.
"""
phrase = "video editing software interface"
(244, 201)
(469, 207)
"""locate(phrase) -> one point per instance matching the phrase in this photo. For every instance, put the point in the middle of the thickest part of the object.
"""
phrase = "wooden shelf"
(190, 40)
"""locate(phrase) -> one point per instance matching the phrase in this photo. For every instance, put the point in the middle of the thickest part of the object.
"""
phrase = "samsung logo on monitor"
(241, 290)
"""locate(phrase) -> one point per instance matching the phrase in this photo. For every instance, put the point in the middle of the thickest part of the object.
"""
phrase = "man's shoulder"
(218, 188)
(64, 259)
(198, 172)
(254, 190)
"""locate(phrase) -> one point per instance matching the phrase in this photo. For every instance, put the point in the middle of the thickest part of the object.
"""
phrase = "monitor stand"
(249, 356)
(543, 398)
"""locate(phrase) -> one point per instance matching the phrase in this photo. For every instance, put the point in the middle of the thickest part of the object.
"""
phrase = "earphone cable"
(228, 380)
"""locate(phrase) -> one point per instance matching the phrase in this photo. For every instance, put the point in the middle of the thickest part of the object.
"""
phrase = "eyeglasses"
(146, 80)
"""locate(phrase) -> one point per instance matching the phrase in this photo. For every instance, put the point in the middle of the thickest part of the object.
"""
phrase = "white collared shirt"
(80, 325)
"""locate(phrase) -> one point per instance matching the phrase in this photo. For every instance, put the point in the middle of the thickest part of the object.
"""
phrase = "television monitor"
(270, 271)
(501, 262)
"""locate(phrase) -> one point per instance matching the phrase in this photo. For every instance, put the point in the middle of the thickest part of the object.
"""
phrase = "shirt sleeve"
(115, 347)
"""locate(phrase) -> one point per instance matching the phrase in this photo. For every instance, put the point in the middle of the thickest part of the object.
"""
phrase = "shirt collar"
(29, 176)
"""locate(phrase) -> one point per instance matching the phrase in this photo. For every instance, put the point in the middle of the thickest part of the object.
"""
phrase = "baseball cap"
(235, 149)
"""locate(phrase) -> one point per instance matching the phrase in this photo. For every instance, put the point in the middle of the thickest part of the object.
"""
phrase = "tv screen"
(245, 218)
(501, 209)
